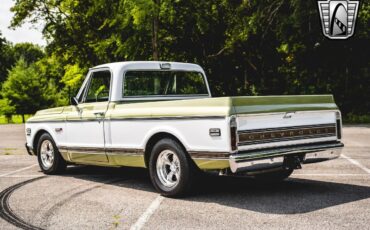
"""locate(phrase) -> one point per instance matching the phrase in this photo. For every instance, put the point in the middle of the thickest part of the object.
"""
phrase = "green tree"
(52, 68)
(6, 58)
(10, 53)
(28, 51)
(6, 109)
(73, 77)
(26, 91)
(246, 47)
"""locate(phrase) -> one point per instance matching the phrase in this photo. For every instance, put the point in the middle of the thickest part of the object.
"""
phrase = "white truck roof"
(150, 65)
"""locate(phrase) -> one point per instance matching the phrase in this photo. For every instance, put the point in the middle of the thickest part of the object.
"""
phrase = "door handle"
(100, 114)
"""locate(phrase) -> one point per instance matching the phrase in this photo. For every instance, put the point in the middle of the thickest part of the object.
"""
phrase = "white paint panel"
(85, 134)
(193, 133)
(60, 138)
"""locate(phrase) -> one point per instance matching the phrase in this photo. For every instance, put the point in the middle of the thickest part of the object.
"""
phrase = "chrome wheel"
(168, 168)
(47, 154)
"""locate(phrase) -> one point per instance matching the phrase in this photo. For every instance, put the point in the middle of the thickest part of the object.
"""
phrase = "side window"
(98, 89)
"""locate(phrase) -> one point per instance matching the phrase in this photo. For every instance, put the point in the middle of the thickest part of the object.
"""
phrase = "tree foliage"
(28, 51)
(6, 58)
(26, 91)
(247, 47)
(73, 76)
(10, 53)
(6, 108)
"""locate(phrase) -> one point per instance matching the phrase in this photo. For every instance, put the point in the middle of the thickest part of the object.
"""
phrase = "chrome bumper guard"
(275, 158)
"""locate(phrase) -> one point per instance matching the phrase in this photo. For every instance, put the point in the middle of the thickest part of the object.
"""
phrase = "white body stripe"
(193, 133)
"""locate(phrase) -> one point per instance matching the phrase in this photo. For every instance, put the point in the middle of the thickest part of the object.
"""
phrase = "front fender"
(36, 128)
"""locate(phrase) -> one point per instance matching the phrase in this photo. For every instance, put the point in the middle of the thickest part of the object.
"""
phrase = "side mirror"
(74, 101)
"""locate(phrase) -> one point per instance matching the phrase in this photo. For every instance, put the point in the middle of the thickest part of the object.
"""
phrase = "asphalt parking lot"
(327, 195)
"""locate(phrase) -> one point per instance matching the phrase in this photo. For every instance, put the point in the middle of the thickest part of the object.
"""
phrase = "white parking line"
(331, 174)
(147, 214)
(22, 176)
(358, 164)
(19, 170)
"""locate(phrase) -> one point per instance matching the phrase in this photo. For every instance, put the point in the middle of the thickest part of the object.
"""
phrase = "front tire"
(171, 170)
(49, 158)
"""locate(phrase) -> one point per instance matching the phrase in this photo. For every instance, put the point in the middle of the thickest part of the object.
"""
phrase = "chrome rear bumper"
(275, 158)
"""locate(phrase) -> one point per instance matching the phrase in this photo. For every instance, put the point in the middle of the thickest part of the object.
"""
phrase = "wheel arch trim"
(154, 138)
(39, 130)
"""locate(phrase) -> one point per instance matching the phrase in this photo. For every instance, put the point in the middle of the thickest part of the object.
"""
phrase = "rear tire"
(275, 176)
(171, 170)
(49, 158)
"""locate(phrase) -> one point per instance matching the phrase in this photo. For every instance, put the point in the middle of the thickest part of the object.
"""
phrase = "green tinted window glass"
(98, 87)
(164, 83)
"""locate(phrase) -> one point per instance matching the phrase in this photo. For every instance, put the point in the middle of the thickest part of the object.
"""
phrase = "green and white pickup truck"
(160, 115)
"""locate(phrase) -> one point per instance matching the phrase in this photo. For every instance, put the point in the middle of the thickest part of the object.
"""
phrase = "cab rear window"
(163, 83)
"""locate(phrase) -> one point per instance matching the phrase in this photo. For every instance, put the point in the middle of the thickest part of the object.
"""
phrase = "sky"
(26, 33)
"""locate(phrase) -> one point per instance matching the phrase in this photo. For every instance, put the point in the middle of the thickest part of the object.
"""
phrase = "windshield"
(164, 83)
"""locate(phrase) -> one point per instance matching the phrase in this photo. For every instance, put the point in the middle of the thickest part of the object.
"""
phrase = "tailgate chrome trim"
(268, 135)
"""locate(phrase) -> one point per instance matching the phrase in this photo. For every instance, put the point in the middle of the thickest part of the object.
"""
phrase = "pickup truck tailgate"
(283, 129)
(278, 121)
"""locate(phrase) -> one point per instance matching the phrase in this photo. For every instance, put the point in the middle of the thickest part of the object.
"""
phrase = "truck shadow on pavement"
(292, 196)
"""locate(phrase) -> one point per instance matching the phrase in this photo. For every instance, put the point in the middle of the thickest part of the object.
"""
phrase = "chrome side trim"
(47, 121)
(135, 118)
(208, 155)
(102, 150)
(166, 118)
(164, 97)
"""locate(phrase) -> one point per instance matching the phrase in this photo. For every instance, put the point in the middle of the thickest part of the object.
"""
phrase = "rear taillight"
(233, 130)
(339, 124)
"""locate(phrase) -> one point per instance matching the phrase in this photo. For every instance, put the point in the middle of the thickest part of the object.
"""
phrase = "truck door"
(85, 123)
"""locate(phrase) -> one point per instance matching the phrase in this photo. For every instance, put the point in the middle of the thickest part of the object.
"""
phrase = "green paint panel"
(191, 107)
(208, 164)
(269, 104)
(50, 111)
(222, 106)
(286, 99)
(64, 155)
(88, 157)
(125, 160)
